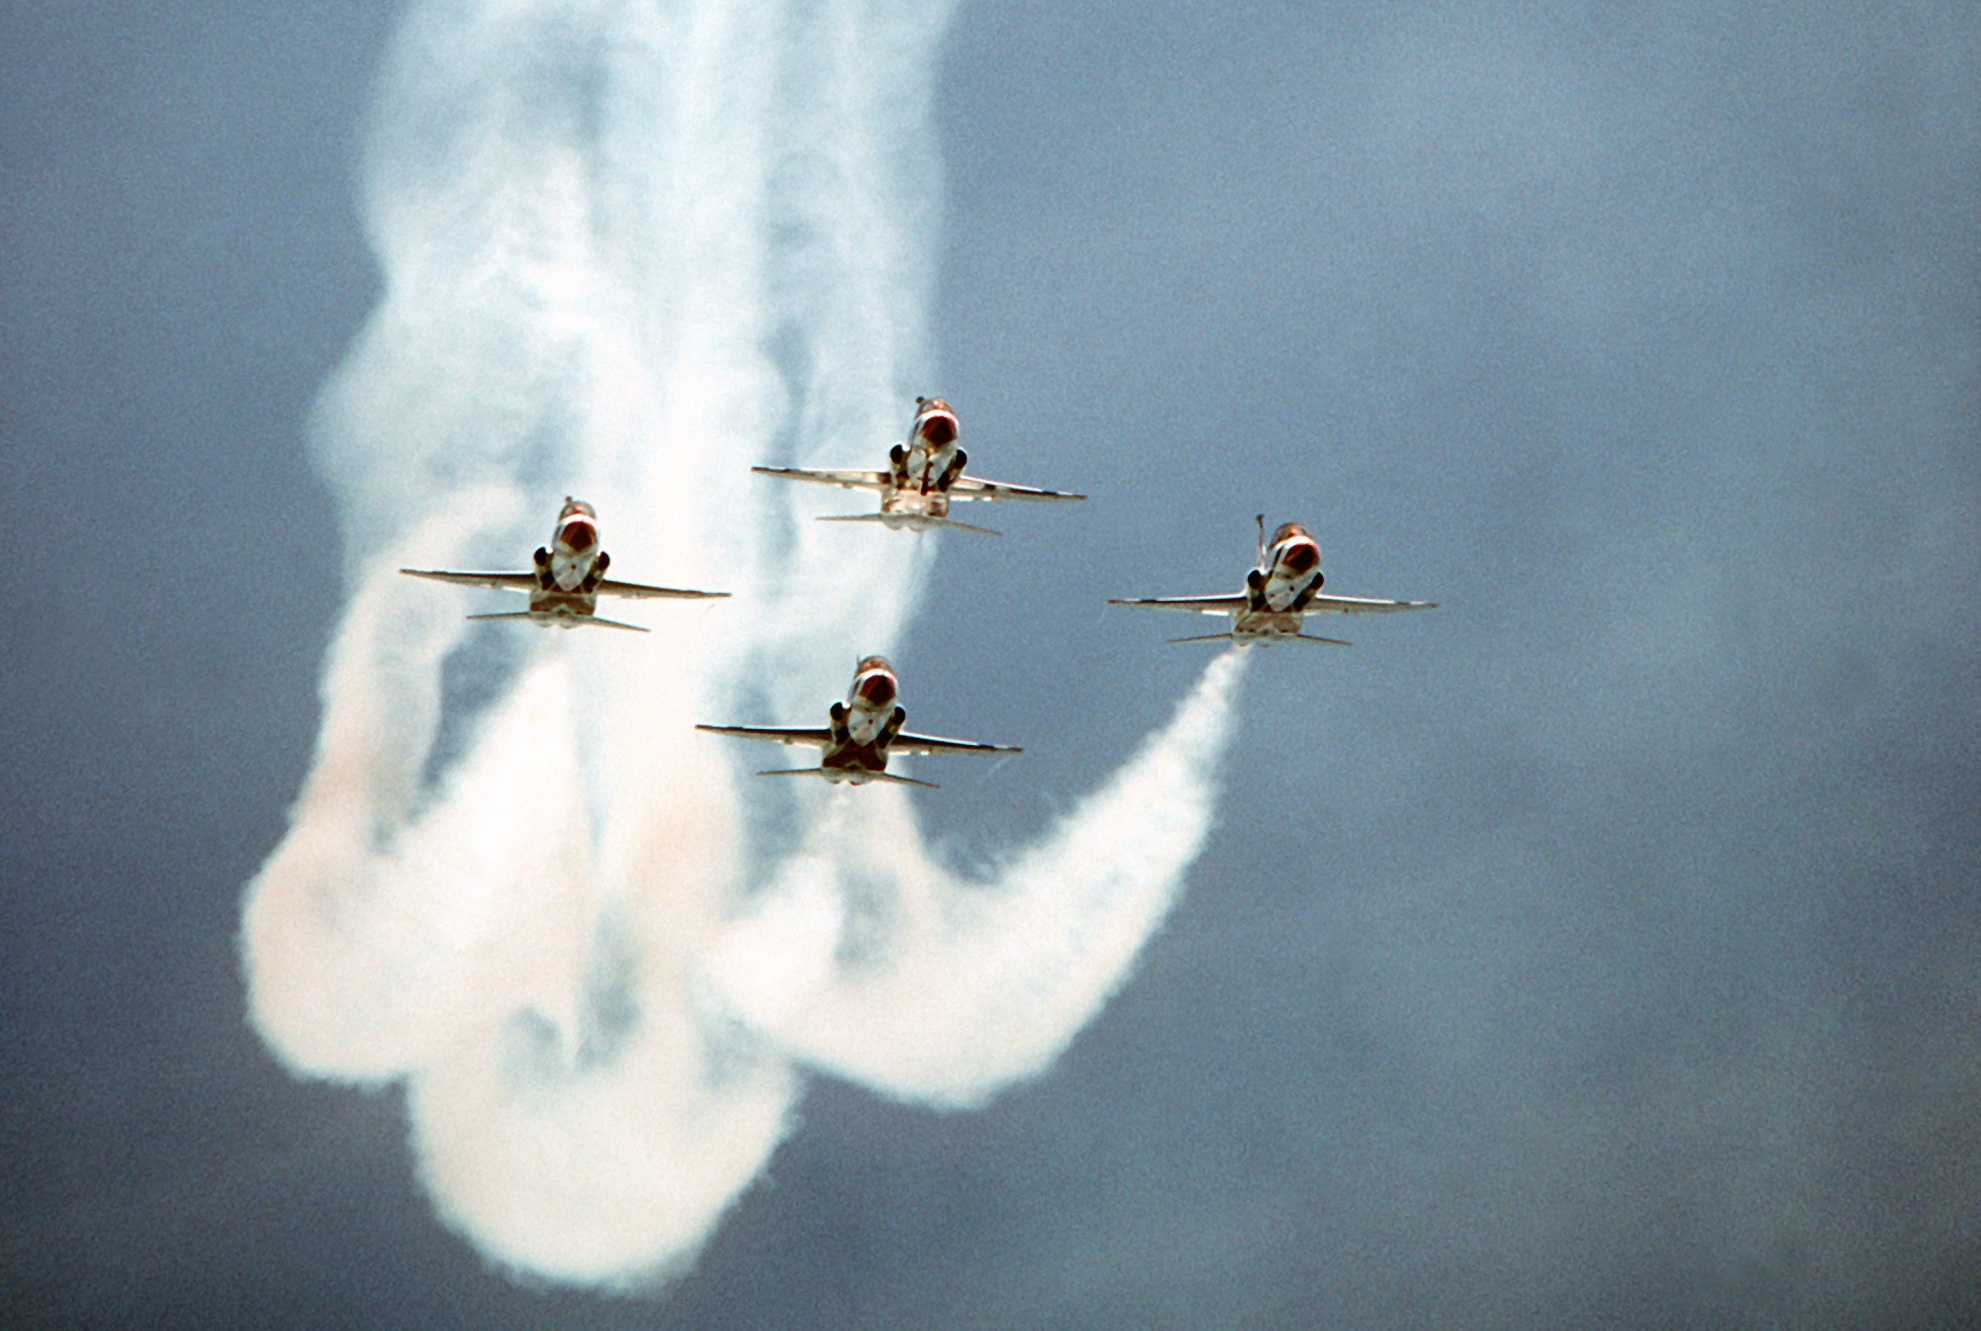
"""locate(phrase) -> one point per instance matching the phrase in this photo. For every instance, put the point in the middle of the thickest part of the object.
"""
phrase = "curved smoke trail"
(629, 249)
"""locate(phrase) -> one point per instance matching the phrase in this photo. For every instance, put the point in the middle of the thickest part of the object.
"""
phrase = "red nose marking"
(579, 535)
(1300, 558)
(877, 690)
(939, 430)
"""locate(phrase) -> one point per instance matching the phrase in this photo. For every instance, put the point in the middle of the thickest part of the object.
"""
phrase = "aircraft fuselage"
(864, 725)
(569, 568)
(920, 471)
(1278, 590)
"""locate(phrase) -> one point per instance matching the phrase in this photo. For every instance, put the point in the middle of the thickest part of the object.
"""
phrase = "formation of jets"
(924, 477)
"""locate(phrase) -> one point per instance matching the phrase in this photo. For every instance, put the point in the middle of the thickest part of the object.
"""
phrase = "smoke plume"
(629, 249)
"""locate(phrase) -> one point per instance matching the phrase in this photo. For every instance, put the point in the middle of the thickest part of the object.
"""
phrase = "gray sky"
(1596, 950)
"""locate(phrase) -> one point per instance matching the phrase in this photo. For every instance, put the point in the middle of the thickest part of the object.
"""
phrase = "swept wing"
(909, 743)
(639, 591)
(522, 582)
(817, 735)
(1203, 605)
(1360, 605)
(527, 582)
(1238, 601)
(845, 480)
(971, 487)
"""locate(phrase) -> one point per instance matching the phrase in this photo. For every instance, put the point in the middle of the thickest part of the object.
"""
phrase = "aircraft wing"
(1203, 605)
(845, 480)
(522, 582)
(907, 743)
(639, 591)
(971, 487)
(818, 735)
(1360, 605)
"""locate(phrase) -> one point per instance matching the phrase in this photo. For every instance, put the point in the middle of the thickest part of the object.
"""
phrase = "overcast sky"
(1599, 949)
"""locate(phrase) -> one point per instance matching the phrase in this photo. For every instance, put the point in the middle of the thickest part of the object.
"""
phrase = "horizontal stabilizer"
(1262, 640)
(562, 621)
(888, 777)
(916, 521)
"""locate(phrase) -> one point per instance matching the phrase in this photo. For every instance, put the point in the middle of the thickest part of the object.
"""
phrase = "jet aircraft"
(923, 477)
(1278, 595)
(568, 579)
(864, 730)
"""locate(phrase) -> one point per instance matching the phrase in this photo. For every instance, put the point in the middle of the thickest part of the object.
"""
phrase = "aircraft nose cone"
(1300, 559)
(579, 535)
(877, 690)
(939, 430)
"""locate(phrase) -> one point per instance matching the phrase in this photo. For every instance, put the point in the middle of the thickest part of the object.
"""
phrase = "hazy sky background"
(1599, 949)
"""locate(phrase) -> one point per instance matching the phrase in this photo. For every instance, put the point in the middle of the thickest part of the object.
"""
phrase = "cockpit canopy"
(1300, 558)
(935, 423)
(874, 681)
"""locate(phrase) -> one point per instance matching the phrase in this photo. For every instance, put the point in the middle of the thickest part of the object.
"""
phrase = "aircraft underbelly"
(1266, 624)
(853, 762)
(1281, 594)
(912, 504)
(562, 606)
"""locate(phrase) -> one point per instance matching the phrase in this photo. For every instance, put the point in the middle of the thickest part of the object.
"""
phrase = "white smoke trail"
(868, 961)
(629, 249)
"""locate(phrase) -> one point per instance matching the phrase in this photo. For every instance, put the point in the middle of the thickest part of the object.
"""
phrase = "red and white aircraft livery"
(1278, 595)
(569, 577)
(923, 477)
(865, 729)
